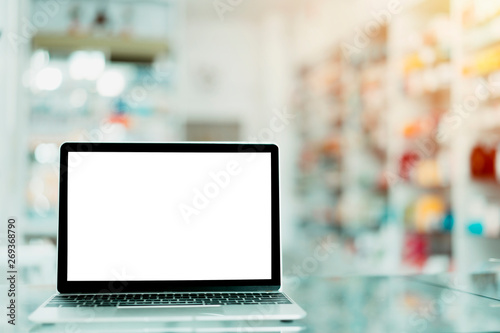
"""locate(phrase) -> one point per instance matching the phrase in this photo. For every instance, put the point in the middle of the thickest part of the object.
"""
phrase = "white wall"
(228, 53)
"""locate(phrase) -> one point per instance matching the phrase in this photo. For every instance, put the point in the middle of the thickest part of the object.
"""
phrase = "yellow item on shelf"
(429, 212)
(412, 62)
(487, 61)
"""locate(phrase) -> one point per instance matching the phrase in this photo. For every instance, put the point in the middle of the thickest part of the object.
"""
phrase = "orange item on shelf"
(420, 126)
(468, 15)
(429, 38)
(412, 130)
(468, 70)
(331, 145)
(120, 119)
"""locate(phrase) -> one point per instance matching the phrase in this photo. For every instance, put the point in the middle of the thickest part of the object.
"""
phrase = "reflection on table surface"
(441, 303)
(485, 284)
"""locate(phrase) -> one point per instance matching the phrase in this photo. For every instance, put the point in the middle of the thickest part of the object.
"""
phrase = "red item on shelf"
(415, 251)
(407, 162)
(482, 162)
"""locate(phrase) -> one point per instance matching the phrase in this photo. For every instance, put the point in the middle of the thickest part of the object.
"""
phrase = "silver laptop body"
(168, 233)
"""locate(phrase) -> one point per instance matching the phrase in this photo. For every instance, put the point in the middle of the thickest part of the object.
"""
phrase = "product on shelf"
(430, 212)
(416, 249)
(426, 67)
(482, 162)
(428, 173)
(433, 172)
(407, 163)
(483, 217)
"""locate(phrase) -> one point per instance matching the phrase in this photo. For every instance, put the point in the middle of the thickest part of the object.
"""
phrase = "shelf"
(419, 187)
(426, 7)
(118, 49)
(429, 233)
(486, 182)
(486, 21)
(482, 46)
(43, 227)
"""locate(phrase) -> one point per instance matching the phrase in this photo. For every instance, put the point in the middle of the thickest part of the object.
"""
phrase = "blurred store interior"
(386, 112)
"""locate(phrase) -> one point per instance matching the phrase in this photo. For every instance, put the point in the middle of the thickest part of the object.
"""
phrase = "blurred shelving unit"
(365, 213)
(475, 122)
(319, 105)
(399, 141)
(395, 166)
(419, 156)
(343, 106)
(95, 74)
(365, 137)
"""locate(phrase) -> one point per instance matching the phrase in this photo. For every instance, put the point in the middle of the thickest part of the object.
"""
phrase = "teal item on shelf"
(143, 111)
(121, 107)
(475, 228)
(387, 215)
(448, 222)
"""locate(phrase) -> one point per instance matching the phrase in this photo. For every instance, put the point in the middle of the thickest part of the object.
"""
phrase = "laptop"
(168, 232)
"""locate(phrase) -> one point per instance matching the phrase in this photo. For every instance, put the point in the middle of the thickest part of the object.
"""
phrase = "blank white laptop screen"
(143, 216)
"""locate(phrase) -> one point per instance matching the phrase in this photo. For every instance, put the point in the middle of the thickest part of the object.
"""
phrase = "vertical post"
(13, 111)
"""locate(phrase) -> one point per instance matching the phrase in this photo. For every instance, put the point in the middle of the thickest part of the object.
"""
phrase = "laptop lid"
(156, 217)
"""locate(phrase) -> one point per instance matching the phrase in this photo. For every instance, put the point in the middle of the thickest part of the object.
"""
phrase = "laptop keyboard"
(166, 300)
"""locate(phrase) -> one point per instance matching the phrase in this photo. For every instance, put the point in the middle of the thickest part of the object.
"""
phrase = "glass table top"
(438, 303)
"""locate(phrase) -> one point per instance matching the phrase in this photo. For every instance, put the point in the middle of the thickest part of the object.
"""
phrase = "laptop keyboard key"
(170, 299)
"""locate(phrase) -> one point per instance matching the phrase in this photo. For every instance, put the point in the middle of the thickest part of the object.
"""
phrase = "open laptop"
(168, 232)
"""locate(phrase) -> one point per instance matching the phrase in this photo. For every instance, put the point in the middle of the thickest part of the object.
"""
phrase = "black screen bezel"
(65, 286)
